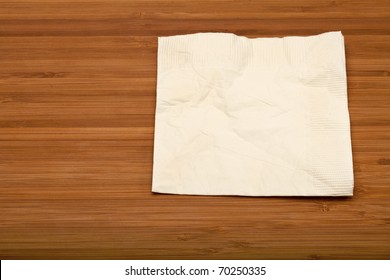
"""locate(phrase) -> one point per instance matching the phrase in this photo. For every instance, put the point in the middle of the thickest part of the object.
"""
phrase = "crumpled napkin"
(252, 117)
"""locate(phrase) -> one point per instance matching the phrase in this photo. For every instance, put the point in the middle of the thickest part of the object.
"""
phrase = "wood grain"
(77, 102)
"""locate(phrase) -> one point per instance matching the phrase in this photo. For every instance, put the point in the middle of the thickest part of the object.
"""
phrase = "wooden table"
(77, 103)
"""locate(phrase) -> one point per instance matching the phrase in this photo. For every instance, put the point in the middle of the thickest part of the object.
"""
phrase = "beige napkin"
(254, 117)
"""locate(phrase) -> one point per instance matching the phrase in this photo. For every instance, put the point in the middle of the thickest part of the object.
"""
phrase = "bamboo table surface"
(77, 104)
